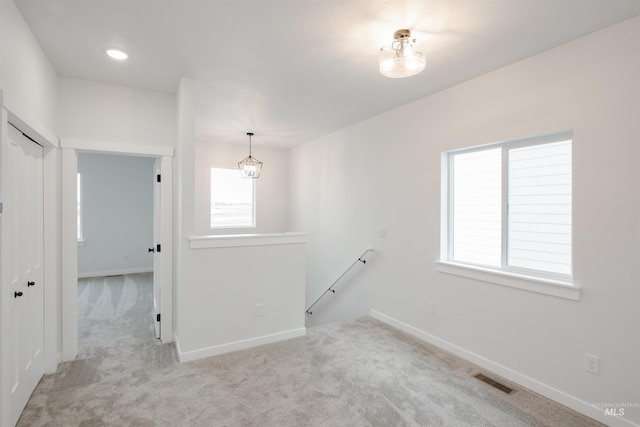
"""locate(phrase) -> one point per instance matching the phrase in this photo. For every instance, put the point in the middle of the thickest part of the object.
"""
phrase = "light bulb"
(117, 54)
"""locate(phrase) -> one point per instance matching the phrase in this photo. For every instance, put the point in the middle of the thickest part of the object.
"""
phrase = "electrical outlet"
(592, 363)
(382, 233)
(259, 309)
(430, 308)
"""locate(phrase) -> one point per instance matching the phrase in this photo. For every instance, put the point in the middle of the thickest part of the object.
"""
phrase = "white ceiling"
(294, 70)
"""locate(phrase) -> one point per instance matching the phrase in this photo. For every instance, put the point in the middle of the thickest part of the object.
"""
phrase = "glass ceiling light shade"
(250, 167)
(401, 60)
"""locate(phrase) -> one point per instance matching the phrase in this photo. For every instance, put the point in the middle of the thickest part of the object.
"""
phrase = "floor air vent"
(494, 383)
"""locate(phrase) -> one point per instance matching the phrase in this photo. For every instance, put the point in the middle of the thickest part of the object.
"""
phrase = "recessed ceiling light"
(117, 54)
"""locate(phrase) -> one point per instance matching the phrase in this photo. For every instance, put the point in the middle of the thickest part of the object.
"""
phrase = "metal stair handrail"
(331, 288)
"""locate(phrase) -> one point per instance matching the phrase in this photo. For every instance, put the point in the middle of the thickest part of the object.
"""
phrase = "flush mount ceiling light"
(250, 167)
(401, 60)
(118, 54)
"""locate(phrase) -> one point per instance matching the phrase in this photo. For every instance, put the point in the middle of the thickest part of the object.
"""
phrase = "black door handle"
(17, 294)
(31, 284)
(151, 250)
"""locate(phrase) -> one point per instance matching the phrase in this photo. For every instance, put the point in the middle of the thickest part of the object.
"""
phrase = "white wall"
(28, 91)
(224, 285)
(183, 213)
(117, 195)
(116, 114)
(27, 79)
(272, 188)
(217, 289)
(384, 173)
(334, 200)
(106, 118)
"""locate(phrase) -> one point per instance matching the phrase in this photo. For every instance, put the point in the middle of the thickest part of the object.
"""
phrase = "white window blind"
(509, 206)
(477, 230)
(539, 200)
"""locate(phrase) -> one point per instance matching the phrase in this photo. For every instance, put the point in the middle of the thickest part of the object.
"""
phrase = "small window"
(508, 206)
(232, 199)
(79, 208)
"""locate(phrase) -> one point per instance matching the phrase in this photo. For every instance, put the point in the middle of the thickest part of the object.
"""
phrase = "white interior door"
(22, 270)
(157, 265)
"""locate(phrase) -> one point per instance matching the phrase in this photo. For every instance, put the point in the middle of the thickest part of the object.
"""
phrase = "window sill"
(231, 227)
(539, 285)
(236, 240)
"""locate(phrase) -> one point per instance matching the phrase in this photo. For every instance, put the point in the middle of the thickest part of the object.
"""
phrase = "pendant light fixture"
(250, 167)
(401, 60)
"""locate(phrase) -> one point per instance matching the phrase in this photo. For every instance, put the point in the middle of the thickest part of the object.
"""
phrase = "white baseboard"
(518, 378)
(115, 272)
(236, 345)
(53, 368)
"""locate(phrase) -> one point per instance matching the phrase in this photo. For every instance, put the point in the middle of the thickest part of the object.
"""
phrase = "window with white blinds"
(509, 206)
(477, 203)
(539, 207)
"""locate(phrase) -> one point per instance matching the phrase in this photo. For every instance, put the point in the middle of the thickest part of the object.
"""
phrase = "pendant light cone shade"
(250, 167)
(401, 59)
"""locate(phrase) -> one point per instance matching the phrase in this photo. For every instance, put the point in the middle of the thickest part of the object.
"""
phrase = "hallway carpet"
(356, 373)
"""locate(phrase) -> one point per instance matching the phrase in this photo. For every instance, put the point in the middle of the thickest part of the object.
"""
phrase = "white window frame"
(253, 202)
(80, 211)
(559, 285)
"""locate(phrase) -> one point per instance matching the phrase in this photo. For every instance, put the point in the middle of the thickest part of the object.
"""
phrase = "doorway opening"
(116, 240)
(162, 236)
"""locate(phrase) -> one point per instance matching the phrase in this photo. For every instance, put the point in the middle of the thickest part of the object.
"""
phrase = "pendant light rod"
(250, 135)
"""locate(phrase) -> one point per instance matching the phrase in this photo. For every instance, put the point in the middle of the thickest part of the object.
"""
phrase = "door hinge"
(158, 317)
(159, 178)
(158, 247)
(1, 207)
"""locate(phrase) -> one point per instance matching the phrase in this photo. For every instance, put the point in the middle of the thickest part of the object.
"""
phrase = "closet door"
(22, 255)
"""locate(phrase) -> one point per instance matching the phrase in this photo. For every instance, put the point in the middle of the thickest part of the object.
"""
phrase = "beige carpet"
(357, 373)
